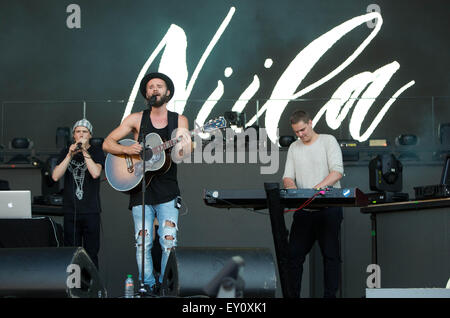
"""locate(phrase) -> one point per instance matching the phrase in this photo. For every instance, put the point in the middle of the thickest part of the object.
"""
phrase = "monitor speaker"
(58, 272)
(190, 269)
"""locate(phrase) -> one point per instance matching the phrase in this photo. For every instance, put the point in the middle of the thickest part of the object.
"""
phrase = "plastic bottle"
(129, 287)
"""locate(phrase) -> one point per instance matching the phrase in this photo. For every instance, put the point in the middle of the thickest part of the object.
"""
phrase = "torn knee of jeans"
(140, 233)
(139, 238)
(168, 244)
(170, 223)
(169, 235)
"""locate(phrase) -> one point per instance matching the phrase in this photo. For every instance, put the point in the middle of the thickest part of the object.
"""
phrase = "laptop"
(15, 204)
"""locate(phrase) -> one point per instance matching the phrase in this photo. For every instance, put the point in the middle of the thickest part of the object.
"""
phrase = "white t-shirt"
(308, 165)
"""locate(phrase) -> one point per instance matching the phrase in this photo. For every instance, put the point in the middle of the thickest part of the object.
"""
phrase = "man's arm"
(95, 169)
(289, 183)
(128, 125)
(289, 171)
(334, 159)
(329, 180)
(60, 169)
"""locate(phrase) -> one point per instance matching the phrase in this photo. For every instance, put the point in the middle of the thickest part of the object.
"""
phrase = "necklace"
(78, 171)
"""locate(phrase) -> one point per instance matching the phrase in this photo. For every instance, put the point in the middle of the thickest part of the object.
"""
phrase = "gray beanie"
(83, 123)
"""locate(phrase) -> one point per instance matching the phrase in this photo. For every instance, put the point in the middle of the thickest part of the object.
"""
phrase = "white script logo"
(359, 91)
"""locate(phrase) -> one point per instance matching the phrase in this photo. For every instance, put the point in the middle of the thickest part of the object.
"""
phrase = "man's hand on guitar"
(185, 143)
(183, 147)
(134, 149)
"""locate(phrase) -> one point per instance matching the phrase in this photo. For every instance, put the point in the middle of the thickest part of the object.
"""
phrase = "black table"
(405, 206)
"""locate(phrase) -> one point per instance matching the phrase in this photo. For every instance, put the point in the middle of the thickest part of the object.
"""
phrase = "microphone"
(152, 100)
(78, 146)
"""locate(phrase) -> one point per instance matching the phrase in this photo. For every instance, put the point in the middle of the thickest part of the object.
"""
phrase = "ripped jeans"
(167, 216)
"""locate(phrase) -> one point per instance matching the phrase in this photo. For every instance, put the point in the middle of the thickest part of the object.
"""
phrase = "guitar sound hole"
(148, 154)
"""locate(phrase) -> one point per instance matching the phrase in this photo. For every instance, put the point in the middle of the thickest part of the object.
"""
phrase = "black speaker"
(58, 272)
(190, 269)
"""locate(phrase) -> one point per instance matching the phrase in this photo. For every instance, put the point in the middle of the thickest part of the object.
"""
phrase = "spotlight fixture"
(385, 173)
(406, 140)
(21, 143)
(286, 141)
(235, 118)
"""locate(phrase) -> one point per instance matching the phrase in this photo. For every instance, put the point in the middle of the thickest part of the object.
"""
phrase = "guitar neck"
(172, 142)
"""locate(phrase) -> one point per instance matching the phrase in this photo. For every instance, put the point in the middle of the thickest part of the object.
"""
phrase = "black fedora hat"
(164, 77)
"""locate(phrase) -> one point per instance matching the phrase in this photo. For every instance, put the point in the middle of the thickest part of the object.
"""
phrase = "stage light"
(385, 173)
(286, 141)
(21, 157)
(21, 143)
(406, 140)
(238, 120)
(385, 177)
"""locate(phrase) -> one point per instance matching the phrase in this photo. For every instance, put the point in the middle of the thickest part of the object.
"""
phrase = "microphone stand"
(142, 290)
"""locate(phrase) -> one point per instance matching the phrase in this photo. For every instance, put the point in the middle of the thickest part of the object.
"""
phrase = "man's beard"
(158, 103)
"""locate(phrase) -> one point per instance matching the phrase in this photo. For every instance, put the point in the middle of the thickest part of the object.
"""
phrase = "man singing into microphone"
(81, 165)
(162, 192)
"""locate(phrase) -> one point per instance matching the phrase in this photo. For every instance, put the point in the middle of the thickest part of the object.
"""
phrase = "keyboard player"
(314, 161)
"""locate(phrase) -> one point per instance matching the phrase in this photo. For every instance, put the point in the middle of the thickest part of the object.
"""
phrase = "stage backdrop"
(363, 69)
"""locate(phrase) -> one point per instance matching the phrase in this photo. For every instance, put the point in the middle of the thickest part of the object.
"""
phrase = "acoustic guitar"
(124, 172)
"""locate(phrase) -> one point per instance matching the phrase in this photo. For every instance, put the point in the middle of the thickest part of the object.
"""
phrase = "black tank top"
(162, 188)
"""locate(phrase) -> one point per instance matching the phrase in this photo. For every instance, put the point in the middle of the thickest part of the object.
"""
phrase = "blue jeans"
(167, 216)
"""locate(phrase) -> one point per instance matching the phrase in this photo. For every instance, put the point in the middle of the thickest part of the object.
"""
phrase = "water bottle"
(129, 287)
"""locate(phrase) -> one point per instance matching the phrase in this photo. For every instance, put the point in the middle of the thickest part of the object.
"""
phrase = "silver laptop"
(15, 204)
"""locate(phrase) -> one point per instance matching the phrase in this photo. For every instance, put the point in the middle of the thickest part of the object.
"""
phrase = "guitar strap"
(145, 121)
(172, 119)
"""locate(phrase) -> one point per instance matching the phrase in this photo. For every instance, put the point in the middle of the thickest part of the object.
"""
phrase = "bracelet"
(87, 157)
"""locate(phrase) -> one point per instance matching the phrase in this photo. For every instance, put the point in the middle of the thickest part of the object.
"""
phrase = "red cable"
(307, 202)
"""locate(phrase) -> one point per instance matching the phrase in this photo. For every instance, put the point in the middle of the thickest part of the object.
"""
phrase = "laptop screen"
(15, 204)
